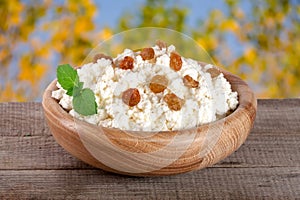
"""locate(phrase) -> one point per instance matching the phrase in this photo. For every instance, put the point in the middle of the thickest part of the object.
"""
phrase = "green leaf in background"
(85, 102)
(67, 78)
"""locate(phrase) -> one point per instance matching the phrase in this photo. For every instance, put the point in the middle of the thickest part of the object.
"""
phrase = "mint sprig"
(84, 101)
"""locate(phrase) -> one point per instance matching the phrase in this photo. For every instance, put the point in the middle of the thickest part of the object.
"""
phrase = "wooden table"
(33, 165)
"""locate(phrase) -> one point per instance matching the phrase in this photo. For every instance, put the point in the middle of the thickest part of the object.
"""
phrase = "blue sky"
(111, 11)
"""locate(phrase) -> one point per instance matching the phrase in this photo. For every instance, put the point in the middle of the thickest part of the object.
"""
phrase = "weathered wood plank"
(22, 119)
(35, 152)
(280, 116)
(210, 183)
(274, 140)
(33, 165)
(27, 119)
(42, 152)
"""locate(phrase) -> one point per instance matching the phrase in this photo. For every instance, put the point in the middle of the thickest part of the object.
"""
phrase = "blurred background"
(257, 40)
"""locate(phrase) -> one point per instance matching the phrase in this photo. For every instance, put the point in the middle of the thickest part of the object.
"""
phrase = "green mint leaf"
(70, 91)
(85, 102)
(67, 77)
(77, 89)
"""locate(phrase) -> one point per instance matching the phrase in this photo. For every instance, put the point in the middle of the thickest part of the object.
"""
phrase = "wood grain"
(267, 166)
(162, 153)
(210, 183)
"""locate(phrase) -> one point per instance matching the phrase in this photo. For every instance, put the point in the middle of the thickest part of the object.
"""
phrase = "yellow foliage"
(270, 22)
(14, 10)
(82, 25)
(271, 91)
(3, 53)
(229, 25)
(105, 34)
(290, 79)
(8, 93)
(280, 17)
(40, 50)
(216, 14)
(207, 42)
(31, 72)
(238, 13)
(2, 40)
(250, 55)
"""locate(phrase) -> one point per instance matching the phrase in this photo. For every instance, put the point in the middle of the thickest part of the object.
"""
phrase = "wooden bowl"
(153, 154)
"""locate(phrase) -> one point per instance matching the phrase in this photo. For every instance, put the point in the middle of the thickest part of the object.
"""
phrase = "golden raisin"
(175, 61)
(147, 53)
(158, 83)
(101, 55)
(214, 72)
(126, 63)
(161, 44)
(174, 103)
(190, 82)
(131, 97)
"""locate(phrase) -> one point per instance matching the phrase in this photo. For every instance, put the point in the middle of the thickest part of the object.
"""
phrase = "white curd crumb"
(58, 94)
(66, 102)
(211, 100)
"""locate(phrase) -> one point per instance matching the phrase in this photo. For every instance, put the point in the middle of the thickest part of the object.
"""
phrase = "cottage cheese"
(206, 103)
